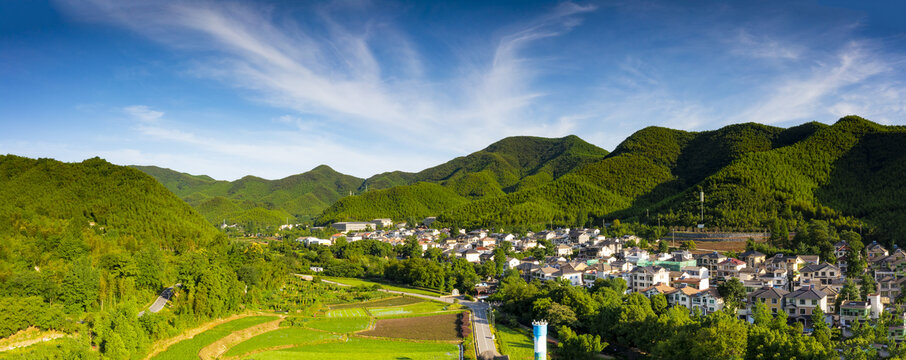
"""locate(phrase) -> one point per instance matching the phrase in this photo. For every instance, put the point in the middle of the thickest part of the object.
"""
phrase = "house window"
(773, 301)
(814, 302)
(802, 311)
(801, 302)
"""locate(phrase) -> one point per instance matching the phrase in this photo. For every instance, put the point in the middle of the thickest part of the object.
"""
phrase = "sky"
(272, 89)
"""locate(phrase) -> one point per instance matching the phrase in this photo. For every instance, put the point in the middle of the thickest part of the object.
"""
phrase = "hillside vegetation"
(255, 202)
(85, 246)
(503, 167)
(752, 175)
(507, 166)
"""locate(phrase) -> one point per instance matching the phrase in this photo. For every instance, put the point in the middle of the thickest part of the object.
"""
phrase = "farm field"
(360, 282)
(366, 349)
(398, 327)
(282, 337)
(517, 343)
(348, 312)
(427, 307)
(339, 325)
(188, 349)
(437, 328)
(393, 301)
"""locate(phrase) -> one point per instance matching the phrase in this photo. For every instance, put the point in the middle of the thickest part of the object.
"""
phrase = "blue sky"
(277, 88)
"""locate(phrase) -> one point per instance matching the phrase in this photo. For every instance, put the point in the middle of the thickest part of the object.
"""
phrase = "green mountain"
(49, 198)
(256, 201)
(847, 173)
(509, 165)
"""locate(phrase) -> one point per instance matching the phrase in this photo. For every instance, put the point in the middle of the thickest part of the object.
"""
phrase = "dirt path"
(29, 341)
(219, 347)
(162, 345)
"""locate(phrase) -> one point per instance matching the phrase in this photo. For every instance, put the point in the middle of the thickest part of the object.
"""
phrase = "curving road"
(484, 339)
(161, 301)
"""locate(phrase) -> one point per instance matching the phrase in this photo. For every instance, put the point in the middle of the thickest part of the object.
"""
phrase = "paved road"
(484, 339)
(161, 301)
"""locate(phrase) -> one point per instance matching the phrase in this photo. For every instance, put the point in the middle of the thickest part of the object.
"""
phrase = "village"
(796, 285)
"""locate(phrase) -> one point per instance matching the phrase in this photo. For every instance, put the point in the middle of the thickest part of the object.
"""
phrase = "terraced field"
(339, 325)
(366, 349)
(286, 337)
(188, 349)
(392, 328)
(426, 307)
(347, 313)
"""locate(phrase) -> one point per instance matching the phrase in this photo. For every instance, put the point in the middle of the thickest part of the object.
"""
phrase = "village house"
(564, 250)
(708, 300)
(875, 251)
(802, 302)
(710, 261)
(823, 274)
(752, 258)
(729, 268)
(860, 311)
(771, 297)
(472, 255)
(645, 276)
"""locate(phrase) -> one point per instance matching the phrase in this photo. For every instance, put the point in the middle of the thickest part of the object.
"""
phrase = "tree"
(733, 292)
(663, 247)
(573, 346)
(616, 284)
(688, 245)
(868, 286)
(659, 304)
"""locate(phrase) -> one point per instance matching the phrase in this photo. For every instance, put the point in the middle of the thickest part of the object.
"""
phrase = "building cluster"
(795, 285)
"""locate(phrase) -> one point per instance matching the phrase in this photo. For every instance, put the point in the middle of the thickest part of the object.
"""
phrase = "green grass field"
(339, 325)
(188, 349)
(427, 307)
(515, 343)
(360, 282)
(281, 337)
(366, 349)
(348, 312)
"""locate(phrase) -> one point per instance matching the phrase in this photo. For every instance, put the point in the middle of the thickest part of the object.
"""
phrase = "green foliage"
(573, 346)
(512, 164)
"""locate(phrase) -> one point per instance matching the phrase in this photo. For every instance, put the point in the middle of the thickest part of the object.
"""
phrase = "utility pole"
(703, 206)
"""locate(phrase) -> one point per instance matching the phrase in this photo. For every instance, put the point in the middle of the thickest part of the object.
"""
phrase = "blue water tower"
(540, 338)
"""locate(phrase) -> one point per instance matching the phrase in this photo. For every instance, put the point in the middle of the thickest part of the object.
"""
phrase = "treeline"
(603, 315)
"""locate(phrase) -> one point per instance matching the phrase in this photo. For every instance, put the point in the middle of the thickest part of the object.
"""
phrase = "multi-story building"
(645, 276)
(802, 302)
(771, 297)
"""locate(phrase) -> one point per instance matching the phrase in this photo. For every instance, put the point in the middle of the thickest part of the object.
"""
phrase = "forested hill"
(256, 201)
(47, 205)
(754, 176)
(507, 166)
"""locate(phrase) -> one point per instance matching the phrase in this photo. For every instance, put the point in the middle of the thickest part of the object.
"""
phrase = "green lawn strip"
(361, 282)
(188, 349)
(363, 348)
(339, 325)
(517, 343)
(281, 337)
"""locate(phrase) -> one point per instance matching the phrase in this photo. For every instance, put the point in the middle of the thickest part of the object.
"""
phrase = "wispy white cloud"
(331, 70)
(143, 113)
(766, 47)
(802, 97)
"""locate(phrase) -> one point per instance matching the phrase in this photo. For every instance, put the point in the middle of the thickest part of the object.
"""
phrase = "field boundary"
(222, 345)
